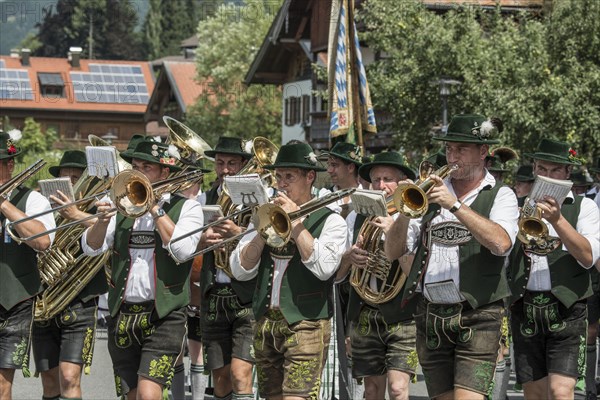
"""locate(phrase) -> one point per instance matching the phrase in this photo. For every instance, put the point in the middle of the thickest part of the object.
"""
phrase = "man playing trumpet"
(148, 291)
(457, 275)
(293, 298)
(19, 275)
(550, 286)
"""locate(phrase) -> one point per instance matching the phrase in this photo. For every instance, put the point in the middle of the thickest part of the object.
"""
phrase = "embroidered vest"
(19, 275)
(172, 281)
(303, 296)
(482, 276)
(570, 281)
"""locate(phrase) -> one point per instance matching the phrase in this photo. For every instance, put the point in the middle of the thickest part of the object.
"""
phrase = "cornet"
(533, 232)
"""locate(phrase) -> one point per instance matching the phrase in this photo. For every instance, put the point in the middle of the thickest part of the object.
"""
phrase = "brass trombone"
(21, 177)
(131, 192)
(273, 224)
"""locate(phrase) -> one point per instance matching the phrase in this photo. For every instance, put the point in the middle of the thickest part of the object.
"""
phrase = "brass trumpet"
(410, 199)
(533, 232)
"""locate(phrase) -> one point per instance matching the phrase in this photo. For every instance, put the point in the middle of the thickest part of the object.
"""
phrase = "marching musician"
(549, 288)
(292, 302)
(343, 162)
(523, 183)
(20, 279)
(457, 276)
(63, 345)
(226, 318)
(383, 335)
(148, 292)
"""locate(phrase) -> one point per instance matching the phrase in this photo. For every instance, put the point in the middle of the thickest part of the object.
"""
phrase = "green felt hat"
(579, 178)
(70, 159)
(555, 151)
(229, 145)
(497, 165)
(388, 158)
(133, 142)
(8, 147)
(347, 152)
(296, 155)
(473, 128)
(154, 152)
(525, 174)
(438, 159)
(596, 167)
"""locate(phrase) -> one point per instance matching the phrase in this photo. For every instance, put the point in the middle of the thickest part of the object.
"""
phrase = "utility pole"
(91, 37)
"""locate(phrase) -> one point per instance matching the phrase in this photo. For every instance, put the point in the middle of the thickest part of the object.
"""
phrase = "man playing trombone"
(19, 275)
(457, 251)
(63, 345)
(293, 298)
(148, 291)
(550, 285)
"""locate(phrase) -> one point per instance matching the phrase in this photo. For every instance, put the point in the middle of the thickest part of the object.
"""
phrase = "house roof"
(96, 86)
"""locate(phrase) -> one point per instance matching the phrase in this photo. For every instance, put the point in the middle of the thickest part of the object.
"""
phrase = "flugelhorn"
(410, 199)
(533, 232)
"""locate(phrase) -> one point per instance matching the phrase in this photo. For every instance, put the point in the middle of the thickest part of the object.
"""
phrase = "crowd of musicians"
(449, 287)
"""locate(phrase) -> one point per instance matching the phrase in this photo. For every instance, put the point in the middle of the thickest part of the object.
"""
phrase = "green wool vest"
(172, 280)
(570, 281)
(19, 275)
(394, 310)
(482, 276)
(243, 289)
(303, 296)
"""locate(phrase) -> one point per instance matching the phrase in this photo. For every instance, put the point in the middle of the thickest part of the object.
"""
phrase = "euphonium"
(533, 232)
(264, 153)
(380, 280)
(410, 199)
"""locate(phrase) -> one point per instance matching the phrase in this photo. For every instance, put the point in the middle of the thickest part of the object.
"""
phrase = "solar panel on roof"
(110, 83)
(14, 84)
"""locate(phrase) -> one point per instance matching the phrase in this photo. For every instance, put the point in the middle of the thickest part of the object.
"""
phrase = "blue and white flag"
(343, 112)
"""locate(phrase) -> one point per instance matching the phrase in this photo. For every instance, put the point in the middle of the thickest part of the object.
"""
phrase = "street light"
(445, 85)
(109, 137)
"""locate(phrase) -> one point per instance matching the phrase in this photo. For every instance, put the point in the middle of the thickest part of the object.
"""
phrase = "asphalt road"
(99, 385)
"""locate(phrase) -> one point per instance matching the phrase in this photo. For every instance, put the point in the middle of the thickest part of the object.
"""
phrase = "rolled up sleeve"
(240, 273)
(191, 218)
(328, 248)
(505, 212)
(108, 240)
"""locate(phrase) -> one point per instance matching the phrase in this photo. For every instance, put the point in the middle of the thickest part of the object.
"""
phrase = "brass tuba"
(533, 232)
(264, 153)
(381, 280)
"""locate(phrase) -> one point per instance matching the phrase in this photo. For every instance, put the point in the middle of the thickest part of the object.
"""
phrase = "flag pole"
(354, 72)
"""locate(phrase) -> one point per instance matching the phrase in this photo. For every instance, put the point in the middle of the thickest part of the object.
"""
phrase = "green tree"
(176, 25)
(541, 76)
(229, 41)
(152, 31)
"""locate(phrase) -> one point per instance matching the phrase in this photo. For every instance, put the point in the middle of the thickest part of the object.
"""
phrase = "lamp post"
(445, 85)
(109, 137)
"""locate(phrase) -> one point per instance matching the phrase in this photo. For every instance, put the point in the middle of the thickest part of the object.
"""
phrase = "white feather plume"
(157, 139)
(174, 151)
(248, 146)
(15, 135)
(487, 129)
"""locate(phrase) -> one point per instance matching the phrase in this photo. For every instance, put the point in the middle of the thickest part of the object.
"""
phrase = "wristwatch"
(159, 213)
(455, 206)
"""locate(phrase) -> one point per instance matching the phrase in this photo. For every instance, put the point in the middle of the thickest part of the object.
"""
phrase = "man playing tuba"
(63, 345)
(148, 291)
(19, 275)
(550, 288)
(459, 284)
(382, 336)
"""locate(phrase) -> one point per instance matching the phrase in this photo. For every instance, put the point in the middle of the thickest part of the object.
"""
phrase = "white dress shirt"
(35, 204)
(141, 282)
(444, 259)
(588, 225)
(323, 262)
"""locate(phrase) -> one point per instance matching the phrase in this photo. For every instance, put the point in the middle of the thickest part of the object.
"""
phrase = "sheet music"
(444, 292)
(556, 188)
(102, 161)
(211, 213)
(369, 202)
(246, 190)
(50, 187)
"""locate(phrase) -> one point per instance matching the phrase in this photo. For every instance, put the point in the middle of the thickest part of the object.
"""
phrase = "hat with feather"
(8, 144)
(473, 128)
